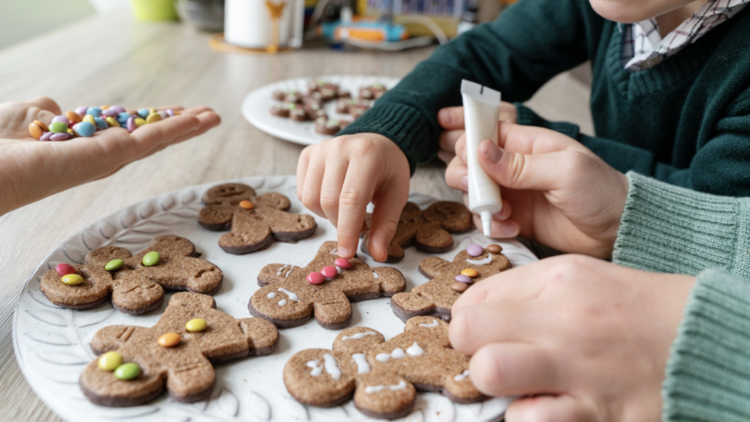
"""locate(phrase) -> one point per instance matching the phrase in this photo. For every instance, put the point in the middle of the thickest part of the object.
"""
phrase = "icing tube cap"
(486, 222)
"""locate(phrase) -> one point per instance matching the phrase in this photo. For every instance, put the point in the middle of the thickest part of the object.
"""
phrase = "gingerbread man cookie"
(449, 280)
(135, 283)
(255, 221)
(429, 230)
(383, 376)
(325, 288)
(137, 363)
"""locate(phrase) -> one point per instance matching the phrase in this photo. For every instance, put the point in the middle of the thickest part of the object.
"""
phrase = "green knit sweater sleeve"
(531, 42)
(708, 372)
(665, 228)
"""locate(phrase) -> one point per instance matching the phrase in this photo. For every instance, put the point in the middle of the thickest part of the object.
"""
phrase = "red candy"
(316, 278)
(329, 272)
(343, 263)
(64, 269)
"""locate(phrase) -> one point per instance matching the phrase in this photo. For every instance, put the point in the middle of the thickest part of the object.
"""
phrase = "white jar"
(248, 23)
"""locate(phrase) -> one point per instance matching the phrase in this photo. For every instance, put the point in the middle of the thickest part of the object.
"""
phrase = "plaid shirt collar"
(643, 46)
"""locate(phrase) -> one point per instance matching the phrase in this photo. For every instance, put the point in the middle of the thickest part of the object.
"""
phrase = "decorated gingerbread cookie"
(448, 281)
(429, 230)
(255, 221)
(135, 283)
(382, 376)
(137, 363)
(325, 288)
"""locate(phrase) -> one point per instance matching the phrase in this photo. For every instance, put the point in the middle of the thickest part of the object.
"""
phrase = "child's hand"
(580, 339)
(31, 170)
(337, 178)
(554, 190)
(452, 120)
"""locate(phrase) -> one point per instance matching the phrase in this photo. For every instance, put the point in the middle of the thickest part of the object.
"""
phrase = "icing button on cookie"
(329, 272)
(109, 361)
(474, 250)
(114, 265)
(65, 269)
(494, 248)
(127, 371)
(247, 205)
(343, 263)
(196, 325)
(152, 258)
(463, 279)
(316, 278)
(459, 287)
(169, 340)
(470, 272)
(72, 279)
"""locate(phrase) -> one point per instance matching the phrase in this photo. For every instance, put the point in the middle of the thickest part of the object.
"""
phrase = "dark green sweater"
(685, 121)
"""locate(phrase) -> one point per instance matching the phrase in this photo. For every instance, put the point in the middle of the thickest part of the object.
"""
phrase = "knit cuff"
(401, 124)
(527, 117)
(665, 228)
(708, 373)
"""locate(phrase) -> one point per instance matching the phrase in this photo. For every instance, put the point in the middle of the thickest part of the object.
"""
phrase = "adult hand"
(451, 119)
(554, 190)
(31, 170)
(578, 338)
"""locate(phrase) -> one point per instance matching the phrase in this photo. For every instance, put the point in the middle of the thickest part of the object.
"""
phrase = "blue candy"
(94, 111)
(143, 113)
(123, 117)
(101, 124)
(85, 129)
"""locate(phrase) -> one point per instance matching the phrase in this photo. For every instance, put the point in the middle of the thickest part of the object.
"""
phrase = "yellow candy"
(470, 272)
(112, 122)
(153, 111)
(153, 118)
(195, 325)
(72, 279)
(70, 131)
(90, 119)
(110, 361)
(139, 122)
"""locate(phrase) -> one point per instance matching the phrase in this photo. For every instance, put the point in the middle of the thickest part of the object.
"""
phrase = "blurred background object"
(154, 10)
(207, 15)
(264, 24)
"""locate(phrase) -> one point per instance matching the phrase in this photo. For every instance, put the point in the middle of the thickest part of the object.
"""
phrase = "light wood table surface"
(113, 60)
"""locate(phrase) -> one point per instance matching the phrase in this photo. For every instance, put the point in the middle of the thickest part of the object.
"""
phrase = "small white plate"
(257, 106)
(52, 344)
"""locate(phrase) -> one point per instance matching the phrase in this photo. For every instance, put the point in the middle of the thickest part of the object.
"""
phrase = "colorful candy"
(196, 325)
(329, 272)
(152, 258)
(247, 205)
(459, 287)
(114, 265)
(72, 279)
(316, 278)
(474, 250)
(110, 361)
(127, 371)
(343, 263)
(169, 340)
(71, 124)
(65, 269)
(470, 272)
(493, 248)
(463, 279)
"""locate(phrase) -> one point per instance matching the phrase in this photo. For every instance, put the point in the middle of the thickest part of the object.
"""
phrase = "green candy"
(58, 127)
(151, 259)
(114, 265)
(127, 371)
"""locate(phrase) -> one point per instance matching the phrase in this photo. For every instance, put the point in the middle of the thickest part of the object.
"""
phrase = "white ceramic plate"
(257, 106)
(52, 344)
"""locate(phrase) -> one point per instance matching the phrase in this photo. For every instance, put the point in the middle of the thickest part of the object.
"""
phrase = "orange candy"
(470, 272)
(169, 340)
(42, 125)
(35, 130)
(244, 204)
(104, 107)
(74, 117)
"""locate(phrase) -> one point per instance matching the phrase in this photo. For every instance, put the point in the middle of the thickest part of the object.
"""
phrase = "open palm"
(31, 170)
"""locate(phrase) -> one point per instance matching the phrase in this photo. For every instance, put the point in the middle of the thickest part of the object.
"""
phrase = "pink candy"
(329, 272)
(316, 278)
(65, 269)
(343, 263)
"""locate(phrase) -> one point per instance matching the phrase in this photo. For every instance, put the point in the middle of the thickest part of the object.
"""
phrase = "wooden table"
(111, 59)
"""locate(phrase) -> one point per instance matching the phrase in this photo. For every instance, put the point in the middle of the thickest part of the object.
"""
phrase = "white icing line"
(317, 368)
(415, 350)
(339, 270)
(282, 302)
(271, 295)
(291, 267)
(332, 367)
(358, 335)
(281, 270)
(483, 261)
(374, 274)
(397, 353)
(433, 324)
(334, 251)
(462, 376)
(376, 388)
(291, 295)
(362, 366)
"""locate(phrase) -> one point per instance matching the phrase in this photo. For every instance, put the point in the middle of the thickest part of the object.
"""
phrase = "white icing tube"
(481, 109)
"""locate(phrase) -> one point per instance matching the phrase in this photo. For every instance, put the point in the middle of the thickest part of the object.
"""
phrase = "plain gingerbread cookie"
(382, 376)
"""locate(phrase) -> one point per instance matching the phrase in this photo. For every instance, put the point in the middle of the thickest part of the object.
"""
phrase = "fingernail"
(492, 151)
(343, 251)
(509, 229)
(444, 116)
(465, 183)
